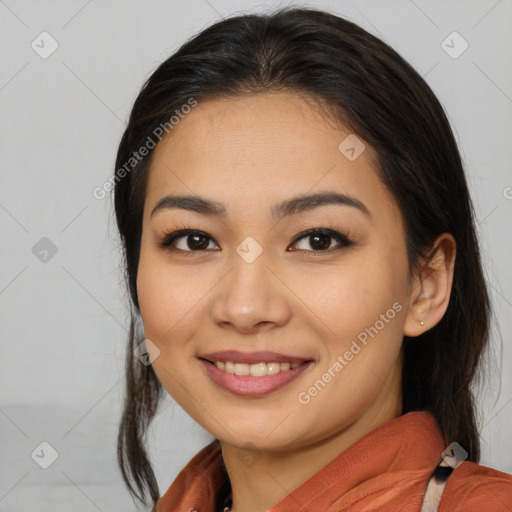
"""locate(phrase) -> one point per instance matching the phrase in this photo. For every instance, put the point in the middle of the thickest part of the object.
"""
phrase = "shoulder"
(473, 487)
(197, 483)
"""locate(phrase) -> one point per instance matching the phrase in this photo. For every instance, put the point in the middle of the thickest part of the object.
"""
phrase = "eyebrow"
(286, 208)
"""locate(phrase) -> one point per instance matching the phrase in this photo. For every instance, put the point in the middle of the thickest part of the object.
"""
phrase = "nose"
(251, 298)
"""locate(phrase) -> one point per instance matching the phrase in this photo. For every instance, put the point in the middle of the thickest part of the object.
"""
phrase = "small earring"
(422, 323)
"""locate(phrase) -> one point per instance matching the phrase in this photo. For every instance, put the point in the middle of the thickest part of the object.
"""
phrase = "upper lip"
(236, 356)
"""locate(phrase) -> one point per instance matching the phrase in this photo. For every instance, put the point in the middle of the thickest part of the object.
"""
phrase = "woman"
(300, 248)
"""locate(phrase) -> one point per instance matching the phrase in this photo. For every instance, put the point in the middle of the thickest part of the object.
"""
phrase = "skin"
(250, 153)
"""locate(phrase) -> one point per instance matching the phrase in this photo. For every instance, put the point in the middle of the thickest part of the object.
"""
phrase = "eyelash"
(343, 239)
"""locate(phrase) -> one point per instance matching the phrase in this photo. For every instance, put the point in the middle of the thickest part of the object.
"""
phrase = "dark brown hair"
(368, 87)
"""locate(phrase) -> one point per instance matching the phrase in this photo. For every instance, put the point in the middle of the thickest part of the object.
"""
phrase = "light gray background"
(63, 321)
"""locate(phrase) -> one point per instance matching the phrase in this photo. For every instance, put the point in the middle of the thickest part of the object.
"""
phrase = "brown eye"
(197, 242)
(186, 240)
(320, 240)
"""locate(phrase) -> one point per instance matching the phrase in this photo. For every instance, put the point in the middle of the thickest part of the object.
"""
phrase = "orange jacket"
(386, 470)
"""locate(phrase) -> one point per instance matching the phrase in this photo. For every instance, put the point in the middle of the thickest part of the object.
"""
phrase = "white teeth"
(241, 369)
(256, 370)
(273, 368)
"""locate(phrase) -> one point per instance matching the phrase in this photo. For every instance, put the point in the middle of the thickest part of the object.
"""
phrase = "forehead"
(262, 148)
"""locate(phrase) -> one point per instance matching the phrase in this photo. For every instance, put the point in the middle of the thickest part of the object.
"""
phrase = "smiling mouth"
(254, 379)
(257, 369)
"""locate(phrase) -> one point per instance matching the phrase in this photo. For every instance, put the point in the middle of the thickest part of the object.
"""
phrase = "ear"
(431, 287)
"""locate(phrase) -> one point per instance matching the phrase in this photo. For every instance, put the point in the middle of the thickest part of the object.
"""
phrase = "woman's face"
(250, 280)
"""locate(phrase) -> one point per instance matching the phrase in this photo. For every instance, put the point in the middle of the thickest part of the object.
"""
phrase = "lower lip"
(247, 385)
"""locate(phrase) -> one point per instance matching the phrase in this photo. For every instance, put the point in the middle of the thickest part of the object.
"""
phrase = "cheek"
(173, 299)
(163, 295)
(350, 297)
(164, 308)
